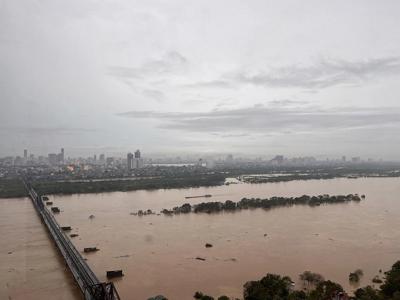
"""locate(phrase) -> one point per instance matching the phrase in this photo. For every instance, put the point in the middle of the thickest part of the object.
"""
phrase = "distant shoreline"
(13, 188)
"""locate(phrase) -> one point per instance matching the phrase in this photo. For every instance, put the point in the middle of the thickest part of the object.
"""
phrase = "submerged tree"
(391, 287)
(326, 290)
(356, 276)
(271, 286)
(367, 293)
(201, 296)
(310, 279)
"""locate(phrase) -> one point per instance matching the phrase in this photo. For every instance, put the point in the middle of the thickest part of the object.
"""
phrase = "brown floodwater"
(157, 253)
(30, 266)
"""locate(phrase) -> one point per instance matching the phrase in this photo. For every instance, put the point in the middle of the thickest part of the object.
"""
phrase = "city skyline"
(256, 77)
(136, 161)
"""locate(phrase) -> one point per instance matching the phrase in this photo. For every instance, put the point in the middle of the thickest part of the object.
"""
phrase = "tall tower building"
(138, 162)
(60, 157)
(25, 154)
(129, 161)
(137, 153)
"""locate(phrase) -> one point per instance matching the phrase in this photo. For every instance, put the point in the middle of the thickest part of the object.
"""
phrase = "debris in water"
(200, 258)
(231, 259)
(90, 249)
(113, 274)
(55, 209)
(122, 256)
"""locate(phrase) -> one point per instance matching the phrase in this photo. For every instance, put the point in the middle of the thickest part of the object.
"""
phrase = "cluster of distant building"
(31, 159)
(280, 160)
(135, 161)
(55, 158)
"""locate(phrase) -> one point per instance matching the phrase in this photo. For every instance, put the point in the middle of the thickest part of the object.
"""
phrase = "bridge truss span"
(91, 287)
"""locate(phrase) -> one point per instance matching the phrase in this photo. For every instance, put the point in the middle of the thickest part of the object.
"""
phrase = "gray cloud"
(287, 102)
(115, 57)
(170, 62)
(323, 74)
(261, 119)
(234, 135)
(219, 83)
(43, 131)
(154, 94)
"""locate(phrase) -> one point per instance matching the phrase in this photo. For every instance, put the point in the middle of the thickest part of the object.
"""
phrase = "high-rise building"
(137, 153)
(25, 154)
(60, 156)
(138, 162)
(102, 159)
(129, 161)
(134, 161)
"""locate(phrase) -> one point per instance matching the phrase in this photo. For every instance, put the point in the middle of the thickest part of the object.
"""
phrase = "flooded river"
(157, 253)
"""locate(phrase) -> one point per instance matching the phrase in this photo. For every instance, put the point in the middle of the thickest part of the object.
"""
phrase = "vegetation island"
(246, 203)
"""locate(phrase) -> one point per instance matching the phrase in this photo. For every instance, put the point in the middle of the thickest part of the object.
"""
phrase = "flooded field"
(157, 253)
(30, 266)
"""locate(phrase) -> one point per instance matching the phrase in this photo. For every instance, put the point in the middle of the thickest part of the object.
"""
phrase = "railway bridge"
(91, 287)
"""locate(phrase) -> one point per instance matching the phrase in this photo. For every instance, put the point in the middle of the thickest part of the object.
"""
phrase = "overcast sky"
(257, 77)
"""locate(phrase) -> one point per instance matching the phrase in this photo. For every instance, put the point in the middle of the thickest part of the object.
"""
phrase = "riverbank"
(98, 186)
(12, 187)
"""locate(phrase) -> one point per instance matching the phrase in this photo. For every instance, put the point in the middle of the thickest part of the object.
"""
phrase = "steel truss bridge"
(91, 287)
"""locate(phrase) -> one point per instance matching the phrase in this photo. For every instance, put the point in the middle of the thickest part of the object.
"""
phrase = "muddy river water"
(157, 253)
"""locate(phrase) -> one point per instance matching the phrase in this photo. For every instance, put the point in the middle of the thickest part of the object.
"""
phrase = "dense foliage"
(12, 188)
(245, 203)
(276, 287)
(99, 186)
